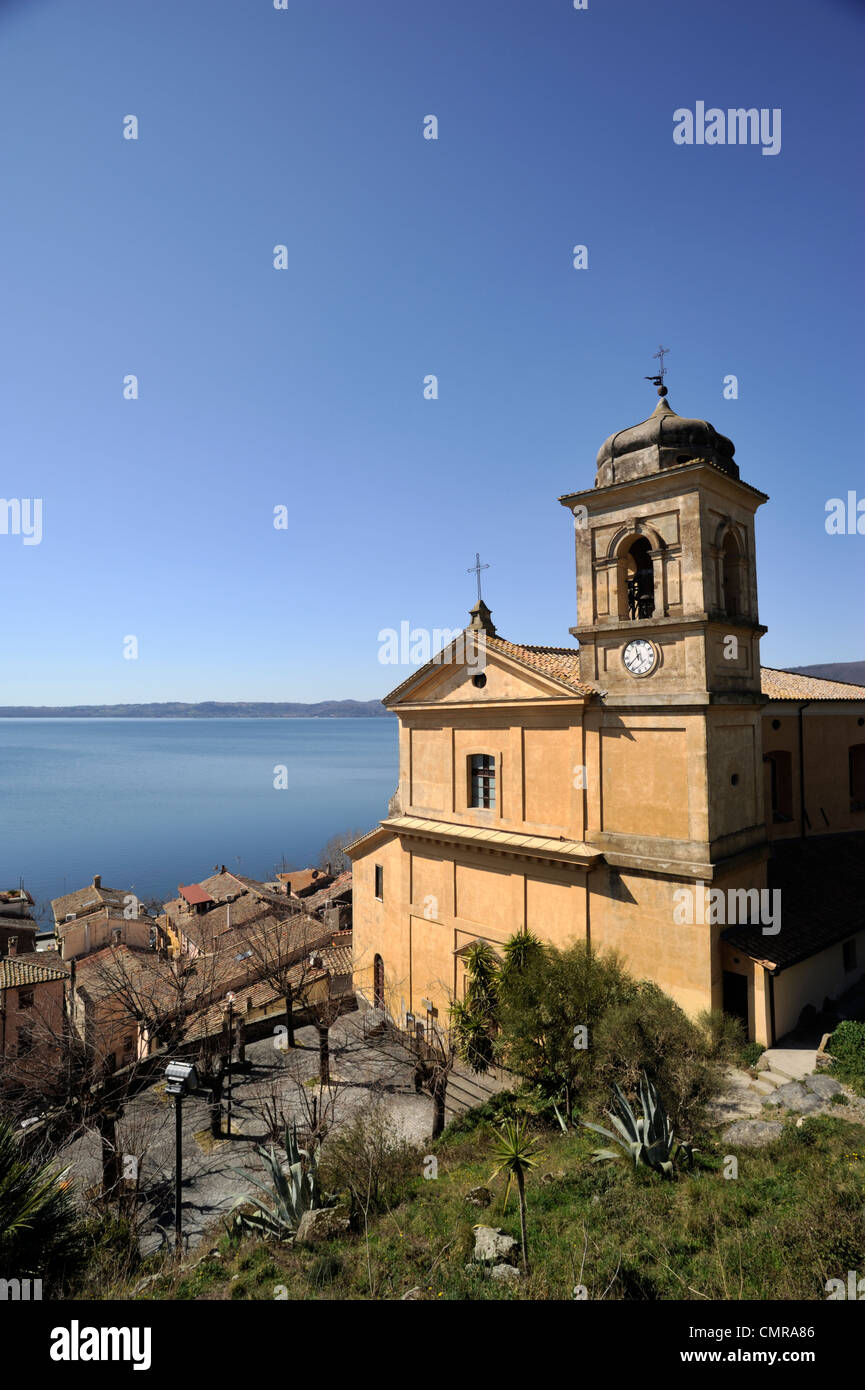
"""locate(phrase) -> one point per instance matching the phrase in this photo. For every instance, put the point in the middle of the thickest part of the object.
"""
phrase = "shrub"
(651, 1033)
(367, 1159)
(725, 1035)
(543, 1003)
(751, 1054)
(847, 1047)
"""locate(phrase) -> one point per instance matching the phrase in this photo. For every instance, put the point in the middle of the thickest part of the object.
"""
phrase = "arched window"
(857, 777)
(779, 785)
(636, 580)
(731, 561)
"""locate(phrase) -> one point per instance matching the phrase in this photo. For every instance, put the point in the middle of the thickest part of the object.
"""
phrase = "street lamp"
(181, 1078)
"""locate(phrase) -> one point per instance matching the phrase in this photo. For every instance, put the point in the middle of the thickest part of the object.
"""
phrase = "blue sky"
(304, 387)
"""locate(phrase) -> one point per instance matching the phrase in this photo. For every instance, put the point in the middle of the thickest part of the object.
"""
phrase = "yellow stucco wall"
(668, 795)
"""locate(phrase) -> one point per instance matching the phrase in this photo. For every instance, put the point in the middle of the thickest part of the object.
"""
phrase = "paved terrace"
(364, 1067)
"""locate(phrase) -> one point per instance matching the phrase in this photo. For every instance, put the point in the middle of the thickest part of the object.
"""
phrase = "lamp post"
(180, 1079)
(230, 997)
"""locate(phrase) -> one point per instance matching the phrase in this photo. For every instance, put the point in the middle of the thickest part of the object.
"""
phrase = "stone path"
(751, 1109)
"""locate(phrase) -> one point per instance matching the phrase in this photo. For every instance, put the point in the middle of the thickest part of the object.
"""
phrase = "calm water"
(153, 803)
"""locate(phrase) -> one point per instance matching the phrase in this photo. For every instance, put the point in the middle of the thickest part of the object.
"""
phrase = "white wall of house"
(812, 980)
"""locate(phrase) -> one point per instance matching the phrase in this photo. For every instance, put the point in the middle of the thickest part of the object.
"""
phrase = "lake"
(150, 803)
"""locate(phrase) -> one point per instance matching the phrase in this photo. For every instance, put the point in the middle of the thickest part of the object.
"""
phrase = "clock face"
(639, 657)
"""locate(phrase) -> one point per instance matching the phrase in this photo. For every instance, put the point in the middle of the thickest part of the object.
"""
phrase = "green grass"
(791, 1220)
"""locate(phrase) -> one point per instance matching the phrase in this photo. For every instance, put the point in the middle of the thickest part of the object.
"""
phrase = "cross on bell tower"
(658, 379)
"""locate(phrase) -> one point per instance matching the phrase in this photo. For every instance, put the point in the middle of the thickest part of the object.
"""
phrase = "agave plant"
(647, 1138)
(293, 1191)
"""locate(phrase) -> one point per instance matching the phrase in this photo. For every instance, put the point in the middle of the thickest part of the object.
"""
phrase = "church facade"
(652, 790)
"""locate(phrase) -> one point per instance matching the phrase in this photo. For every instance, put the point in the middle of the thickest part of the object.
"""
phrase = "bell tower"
(666, 573)
(669, 632)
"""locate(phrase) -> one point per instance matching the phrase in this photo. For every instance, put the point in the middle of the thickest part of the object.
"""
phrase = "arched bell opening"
(636, 579)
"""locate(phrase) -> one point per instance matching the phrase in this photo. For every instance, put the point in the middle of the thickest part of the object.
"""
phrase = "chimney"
(12, 946)
(328, 866)
(97, 880)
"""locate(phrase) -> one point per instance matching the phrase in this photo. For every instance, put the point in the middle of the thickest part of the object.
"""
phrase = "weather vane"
(658, 379)
(476, 570)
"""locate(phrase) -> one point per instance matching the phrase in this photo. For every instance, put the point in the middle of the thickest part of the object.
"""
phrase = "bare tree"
(280, 955)
(334, 854)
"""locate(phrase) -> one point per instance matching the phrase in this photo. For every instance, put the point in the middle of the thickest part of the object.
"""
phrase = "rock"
(143, 1283)
(414, 1293)
(750, 1134)
(492, 1246)
(507, 1273)
(824, 1086)
(479, 1196)
(553, 1177)
(322, 1224)
(793, 1096)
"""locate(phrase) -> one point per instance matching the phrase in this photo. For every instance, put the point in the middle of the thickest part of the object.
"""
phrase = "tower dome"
(665, 440)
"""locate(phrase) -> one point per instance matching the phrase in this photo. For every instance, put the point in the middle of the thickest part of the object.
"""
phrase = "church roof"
(559, 663)
(792, 685)
(563, 664)
(813, 918)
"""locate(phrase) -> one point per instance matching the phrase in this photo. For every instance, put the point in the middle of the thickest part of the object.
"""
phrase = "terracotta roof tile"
(34, 968)
(792, 685)
(561, 663)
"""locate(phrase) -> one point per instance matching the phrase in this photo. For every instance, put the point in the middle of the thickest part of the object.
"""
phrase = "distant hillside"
(853, 672)
(208, 709)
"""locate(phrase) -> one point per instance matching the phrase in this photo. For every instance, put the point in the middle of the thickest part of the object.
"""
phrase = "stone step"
(765, 1088)
(774, 1078)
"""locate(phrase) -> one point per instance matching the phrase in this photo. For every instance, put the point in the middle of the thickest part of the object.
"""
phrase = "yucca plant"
(516, 1155)
(647, 1138)
(291, 1193)
(474, 1019)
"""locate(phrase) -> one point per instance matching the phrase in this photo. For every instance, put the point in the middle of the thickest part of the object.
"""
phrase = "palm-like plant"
(516, 1154)
(291, 1193)
(39, 1227)
(475, 1018)
(520, 949)
(647, 1138)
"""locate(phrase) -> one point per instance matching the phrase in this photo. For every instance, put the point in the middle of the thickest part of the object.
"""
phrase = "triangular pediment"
(463, 674)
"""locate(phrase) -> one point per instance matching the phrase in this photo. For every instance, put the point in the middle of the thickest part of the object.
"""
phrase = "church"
(652, 790)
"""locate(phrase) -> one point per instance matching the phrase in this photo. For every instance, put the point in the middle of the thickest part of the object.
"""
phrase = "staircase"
(466, 1089)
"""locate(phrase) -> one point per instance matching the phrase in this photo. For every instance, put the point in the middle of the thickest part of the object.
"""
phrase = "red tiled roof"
(193, 893)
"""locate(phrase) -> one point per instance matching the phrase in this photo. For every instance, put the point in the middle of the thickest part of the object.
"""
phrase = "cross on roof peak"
(475, 569)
